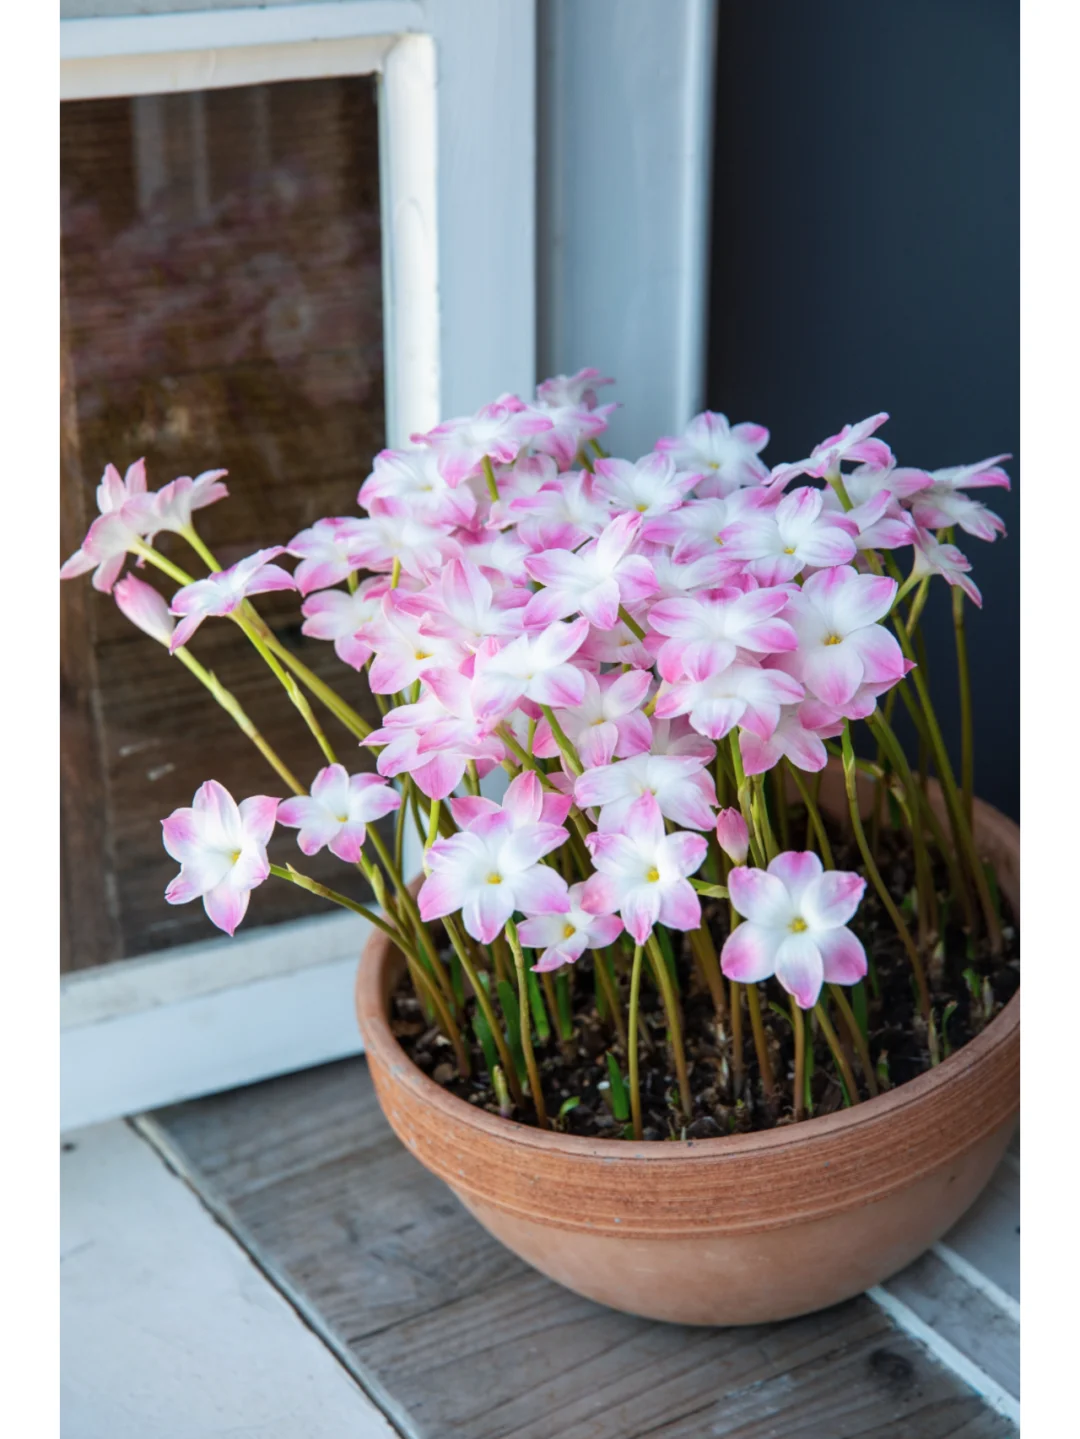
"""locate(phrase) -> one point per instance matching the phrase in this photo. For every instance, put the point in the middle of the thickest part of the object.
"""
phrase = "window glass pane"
(222, 307)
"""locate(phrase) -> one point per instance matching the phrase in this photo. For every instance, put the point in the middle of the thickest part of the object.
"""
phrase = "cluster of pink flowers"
(600, 628)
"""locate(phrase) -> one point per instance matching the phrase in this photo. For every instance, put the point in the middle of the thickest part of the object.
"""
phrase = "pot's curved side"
(745, 1229)
(758, 1277)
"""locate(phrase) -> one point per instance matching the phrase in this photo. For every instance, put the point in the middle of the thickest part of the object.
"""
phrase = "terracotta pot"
(741, 1230)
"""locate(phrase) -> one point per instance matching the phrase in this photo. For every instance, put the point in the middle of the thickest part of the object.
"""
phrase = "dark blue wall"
(866, 257)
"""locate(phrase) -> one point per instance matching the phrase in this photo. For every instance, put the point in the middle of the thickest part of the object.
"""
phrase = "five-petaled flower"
(221, 848)
(337, 811)
(641, 873)
(795, 916)
(225, 591)
(564, 938)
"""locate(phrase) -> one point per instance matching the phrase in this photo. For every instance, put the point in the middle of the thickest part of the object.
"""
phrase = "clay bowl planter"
(740, 1230)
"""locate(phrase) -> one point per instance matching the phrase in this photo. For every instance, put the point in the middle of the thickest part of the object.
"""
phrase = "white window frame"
(457, 142)
(621, 151)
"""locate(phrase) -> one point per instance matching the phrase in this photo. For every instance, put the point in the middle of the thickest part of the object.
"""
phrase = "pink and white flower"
(175, 503)
(649, 486)
(792, 738)
(854, 442)
(462, 605)
(438, 767)
(576, 389)
(572, 427)
(498, 431)
(414, 477)
(224, 592)
(742, 694)
(777, 544)
(696, 528)
(608, 721)
(534, 667)
(841, 644)
(126, 518)
(493, 867)
(795, 926)
(326, 552)
(405, 647)
(706, 631)
(562, 515)
(143, 606)
(592, 581)
(342, 617)
(221, 848)
(732, 835)
(725, 456)
(392, 533)
(933, 557)
(642, 874)
(338, 810)
(682, 787)
(564, 938)
(943, 503)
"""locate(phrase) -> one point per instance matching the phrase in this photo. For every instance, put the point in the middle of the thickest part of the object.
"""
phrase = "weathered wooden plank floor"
(456, 1339)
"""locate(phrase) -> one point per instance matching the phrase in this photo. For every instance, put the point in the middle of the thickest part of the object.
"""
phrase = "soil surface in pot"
(968, 988)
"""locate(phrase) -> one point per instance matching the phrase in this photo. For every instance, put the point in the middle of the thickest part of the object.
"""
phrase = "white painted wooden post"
(625, 123)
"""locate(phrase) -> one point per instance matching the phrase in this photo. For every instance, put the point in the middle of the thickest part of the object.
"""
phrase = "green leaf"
(562, 999)
(457, 982)
(568, 1104)
(859, 1009)
(508, 1000)
(992, 885)
(538, 1007)
(482, 1030)
(779, 1009)
(664, 941)
(947, 1014)
(620, 1100)
(882, 1070)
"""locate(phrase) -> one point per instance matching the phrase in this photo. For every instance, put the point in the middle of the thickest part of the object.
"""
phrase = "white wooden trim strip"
(410, 241)
(208, 1042)
(109, 35)
(967, 1271)
(964, 1368)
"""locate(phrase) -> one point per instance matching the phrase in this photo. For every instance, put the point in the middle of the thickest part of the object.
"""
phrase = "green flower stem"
(967, 728)
(874, 875)
(704, 952)
(484, 1001)
(761, 817)
(433, 823)
(408, 905)
(632, 1045)
(342, 712)
(857, 1038)
(671, 1011)
(742, 785)
(837, 1053)
(736, 1036)
(190, 534)
(489, 477)
(232, 707)
(158, 560)
(611, 994)
(631, 623)
(780, 798)
(798, 1024)
(568, 752)
(813, 816)
(292, 689)
(761, 1042)
(472, 778)
(924, 882)
(531, 1066)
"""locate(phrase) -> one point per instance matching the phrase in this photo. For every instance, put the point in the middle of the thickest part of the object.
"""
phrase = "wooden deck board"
(466, 1342)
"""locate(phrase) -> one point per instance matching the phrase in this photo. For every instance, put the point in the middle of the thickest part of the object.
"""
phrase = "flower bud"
(732, 834)
(144, 607)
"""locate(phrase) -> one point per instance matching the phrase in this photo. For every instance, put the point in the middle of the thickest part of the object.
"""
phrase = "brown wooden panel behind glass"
(221, 307)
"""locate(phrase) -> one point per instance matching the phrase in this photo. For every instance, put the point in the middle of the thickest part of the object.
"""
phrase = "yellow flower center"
(641, 509)
(494, 877)
(833, 640)
(652, 875)
(797, 925)
(790, 550)
(422, 655)
(568, 931)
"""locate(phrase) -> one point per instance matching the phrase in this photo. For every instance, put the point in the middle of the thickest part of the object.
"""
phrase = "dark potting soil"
(968, 987)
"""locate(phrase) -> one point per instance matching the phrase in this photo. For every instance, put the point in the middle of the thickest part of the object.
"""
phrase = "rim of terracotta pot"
(871, 1148)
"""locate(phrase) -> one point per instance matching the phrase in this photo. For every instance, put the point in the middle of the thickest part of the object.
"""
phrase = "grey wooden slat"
(988, 1236)
(469, 1343)
(967, 1319)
